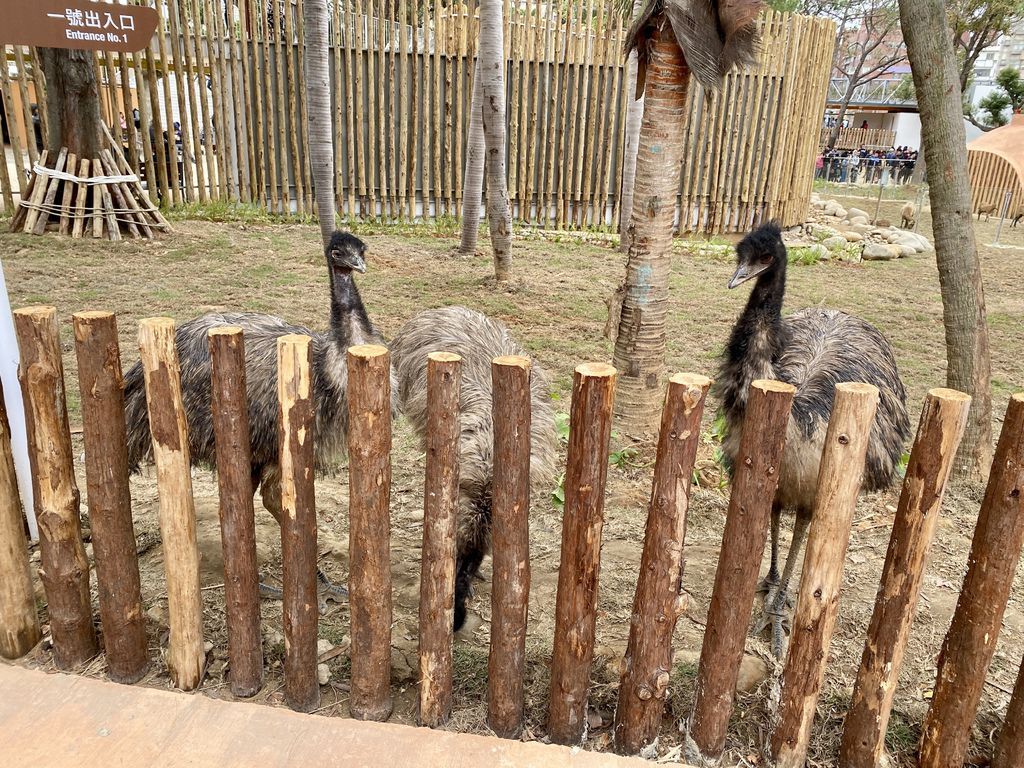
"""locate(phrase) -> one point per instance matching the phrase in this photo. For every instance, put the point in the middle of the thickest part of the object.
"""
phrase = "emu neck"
(350, 324)
(758, 335)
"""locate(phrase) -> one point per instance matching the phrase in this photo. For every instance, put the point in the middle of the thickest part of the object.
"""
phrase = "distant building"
(1007, 51)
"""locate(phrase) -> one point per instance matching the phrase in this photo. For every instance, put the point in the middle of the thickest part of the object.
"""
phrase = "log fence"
(659, 600)
(230, 77)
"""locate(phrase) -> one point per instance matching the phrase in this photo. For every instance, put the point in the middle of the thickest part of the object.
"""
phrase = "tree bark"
(582, 522)
(634, 117)
(933, 64)
(318, 111)
(1009, 751)
(943, 419)
(65, 569)
(971, 641)
(472, 188)
(492, 84)
(817, 605)
(110, 503)
(640, 342)
(72, 101)
(833, 135)
(658, 602)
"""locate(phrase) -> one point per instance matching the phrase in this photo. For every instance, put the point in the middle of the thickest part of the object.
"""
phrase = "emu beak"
(353, 261)
(744, 272)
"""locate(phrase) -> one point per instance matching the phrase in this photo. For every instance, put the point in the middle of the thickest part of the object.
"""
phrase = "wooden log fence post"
(298, 516)
(943, 419)
(169, 430)
(510, 536)
(1009, 751)
(440, 510)
(593, 392)
(237, 522)
(755, 479)
(369, 450)
(65, 569)
(19, 624)
(658, 602)
(839, 482)
(971, 640)
(110, 504)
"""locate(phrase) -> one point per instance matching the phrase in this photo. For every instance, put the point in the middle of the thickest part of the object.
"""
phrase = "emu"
(812, 349)
(908, 213)
(349, 325)
(478, 340)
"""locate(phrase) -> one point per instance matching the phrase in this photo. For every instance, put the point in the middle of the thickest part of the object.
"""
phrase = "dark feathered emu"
(813, 349)
(478, 340)
(349, 325)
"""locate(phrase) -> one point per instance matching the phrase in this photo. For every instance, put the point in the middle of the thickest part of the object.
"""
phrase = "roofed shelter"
(996, 163)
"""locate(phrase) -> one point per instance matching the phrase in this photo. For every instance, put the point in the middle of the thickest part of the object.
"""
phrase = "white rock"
(862, 228)
(832, 243)
(853, 237)
(819, 250)
(323, 646)
(818, 204)
(878, 252)
(857, 212)
(323, 674)
(840, 213)
(821, 231)
(906, 250)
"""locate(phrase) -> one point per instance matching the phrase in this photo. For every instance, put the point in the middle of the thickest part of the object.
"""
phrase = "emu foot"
(768, 584)
(326, 590)
(775, 616)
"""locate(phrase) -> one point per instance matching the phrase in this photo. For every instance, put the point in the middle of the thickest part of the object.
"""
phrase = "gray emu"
(813, 349)
(478, 340)
(349, 325)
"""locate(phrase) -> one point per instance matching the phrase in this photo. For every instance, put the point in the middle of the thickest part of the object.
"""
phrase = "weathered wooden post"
(110, 503)
(369, 465)
(65, 570)
(943, 419)
(510, 535)
(440, 507)
(658, 602)
(839, 481)
(593, 391)
(755, 479)
(971, 639)
(298, 517)
(169, 430)
(237, 522)
(1009, 751)
(19, 624)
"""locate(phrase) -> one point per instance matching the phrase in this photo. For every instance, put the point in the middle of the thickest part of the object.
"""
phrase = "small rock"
(822, 232)
(818, 204)
(753, 672)
(861, 228)
(853, 237)
(273, 637)
(158, 614)
(840, 213)
(883, 223)
(855, 212)
(858, 219)
(906, 250)
(323, 646)
(831, 243)
(878, 252)
(323, 674)
(819, 250)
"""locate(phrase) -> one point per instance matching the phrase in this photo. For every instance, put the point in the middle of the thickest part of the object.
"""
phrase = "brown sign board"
(77, 24)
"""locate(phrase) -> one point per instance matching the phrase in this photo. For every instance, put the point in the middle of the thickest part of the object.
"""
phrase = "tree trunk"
(492, 85)
(72, 103)
(833, 135)
(640, 342)
(318, 112)
(473, 186)
(933, 64)
(634, 116)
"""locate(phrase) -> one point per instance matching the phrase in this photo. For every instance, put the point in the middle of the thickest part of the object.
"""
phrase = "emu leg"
(778, 611)
(770, 582)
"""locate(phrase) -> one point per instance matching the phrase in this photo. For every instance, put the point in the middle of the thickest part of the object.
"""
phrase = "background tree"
(318, 96)
(943, 137)
(72, 101)
(1009, 96)
(473, 183)
(977, 24)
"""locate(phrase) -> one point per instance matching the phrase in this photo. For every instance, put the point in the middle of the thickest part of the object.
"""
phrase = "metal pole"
(878, 203)
(920, 206)
(1007, 197)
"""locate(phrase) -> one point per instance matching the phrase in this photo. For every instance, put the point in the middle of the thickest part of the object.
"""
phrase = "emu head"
(345, 253)
(758, 252)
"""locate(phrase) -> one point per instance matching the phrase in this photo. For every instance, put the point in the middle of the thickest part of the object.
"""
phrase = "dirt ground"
(557, 310)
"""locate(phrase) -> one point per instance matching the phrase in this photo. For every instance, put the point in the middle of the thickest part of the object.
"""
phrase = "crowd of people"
(894, 165)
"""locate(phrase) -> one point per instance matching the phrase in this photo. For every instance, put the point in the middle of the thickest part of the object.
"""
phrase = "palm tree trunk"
(640, 341)
(936, 82)
(473, 185)
(634, 115)
(318, 97)
(492, 83)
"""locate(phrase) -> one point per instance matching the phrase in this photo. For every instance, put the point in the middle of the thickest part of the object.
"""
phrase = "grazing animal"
(349, 325)
(478, 340)
(986, 208)
(813, 349)
(1017, 216)
(908, 214)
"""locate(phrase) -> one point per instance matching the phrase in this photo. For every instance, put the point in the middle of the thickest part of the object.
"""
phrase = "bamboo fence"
(230, 76)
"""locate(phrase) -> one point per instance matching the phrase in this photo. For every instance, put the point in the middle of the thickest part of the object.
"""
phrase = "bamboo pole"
(402, 73)
(237, 524)
(176, 52)
(971, 641)
(295, 129)
(30, 134)
(65, 570)
(67, 190)
(363, 165)
(369, 448)
(255, 82)
(1009, 750)
(438, 125)
(15, 139)
(19, 625)
(303, 107)
(186, 48)
(659, 601)
(350, 120)
(839, 482)
(416, 76)
(158, 155)
(510, 593)
(45, 194)
(166, 66)
(379, 115)
(373, 80)
(145, 120)
(110, 504)
(298, 515)
(440, 509)
(281, 109)
(268, 86)
(185, 655)
(943, 419)
(576, 602)
(755, 479)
